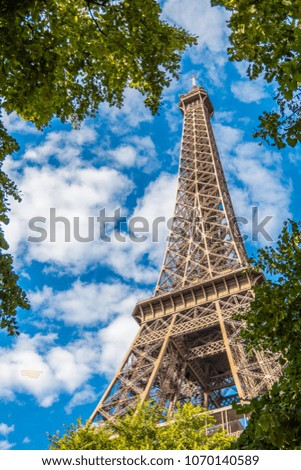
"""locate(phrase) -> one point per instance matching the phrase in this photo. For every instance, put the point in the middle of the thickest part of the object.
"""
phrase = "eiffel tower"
(188, 347)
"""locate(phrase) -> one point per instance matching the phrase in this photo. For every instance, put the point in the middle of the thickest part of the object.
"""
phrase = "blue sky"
(83, 294)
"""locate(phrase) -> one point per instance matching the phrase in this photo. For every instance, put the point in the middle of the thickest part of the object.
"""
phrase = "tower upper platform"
(197, 93)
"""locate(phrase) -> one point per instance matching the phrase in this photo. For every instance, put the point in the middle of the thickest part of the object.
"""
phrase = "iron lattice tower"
(188, 347)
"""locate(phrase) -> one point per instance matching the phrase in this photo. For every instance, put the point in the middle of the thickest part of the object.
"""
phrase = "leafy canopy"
(267, 34)
(139, 430)
(274, 324)
(11, 294)
(63, 58)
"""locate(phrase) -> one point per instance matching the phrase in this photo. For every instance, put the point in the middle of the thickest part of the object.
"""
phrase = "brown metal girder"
(193, 370)
(210, 349)
(252, 279)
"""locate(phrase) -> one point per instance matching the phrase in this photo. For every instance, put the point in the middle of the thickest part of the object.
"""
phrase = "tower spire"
(205, 240)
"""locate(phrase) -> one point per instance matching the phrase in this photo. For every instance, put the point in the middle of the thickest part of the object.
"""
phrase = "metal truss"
(205, 240)
(189, 347)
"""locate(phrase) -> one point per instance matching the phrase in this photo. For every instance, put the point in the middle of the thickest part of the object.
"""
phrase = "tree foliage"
(11, 294)
(267, 34)
(274, 324)
(139, 430)
(63, 58)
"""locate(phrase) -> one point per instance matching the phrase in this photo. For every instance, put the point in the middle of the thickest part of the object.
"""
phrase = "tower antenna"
(193, 78)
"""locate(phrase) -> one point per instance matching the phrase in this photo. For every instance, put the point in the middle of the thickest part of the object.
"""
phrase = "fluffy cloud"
(209, 24)
(115, 340)
(158, 202)
(76, 190)
(86, 304)
(249, 92)
(83, 397)
(62, 368)
(57, 176)
(65, 146)
(75, 193)
(6, 445)
(125, 155)
(199, 18)
(43, 367)
(223, 116)
(13, 123)
(255, 179)
(141, 260)
(135, 151)
(5, 429)
(227, 137)
(132, 114)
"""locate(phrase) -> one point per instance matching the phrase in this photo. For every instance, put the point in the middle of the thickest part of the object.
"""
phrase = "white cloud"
(83, 397)
(126, 155)
(249, 91)
(6, 445)
(130, 116)
(74, 192)
(209, 24)
(242, 68)
(65, 368)
(129, 259)
(5, 429)
(265, 185)
(223, 116)
(227, 137)
(14, 123)
(86, 304)
(26, 440)
(200, 18)
(255, 179)
(66, 146)
(136, 151)
(77, 192)
(116, 339)
(158, 201)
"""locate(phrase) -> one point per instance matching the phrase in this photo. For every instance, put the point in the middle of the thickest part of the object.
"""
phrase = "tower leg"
(147, 389)
(237, 382)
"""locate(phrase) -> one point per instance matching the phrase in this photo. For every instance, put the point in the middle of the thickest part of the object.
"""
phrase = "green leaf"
(63, 58)
(141, 428)
(267, 35)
